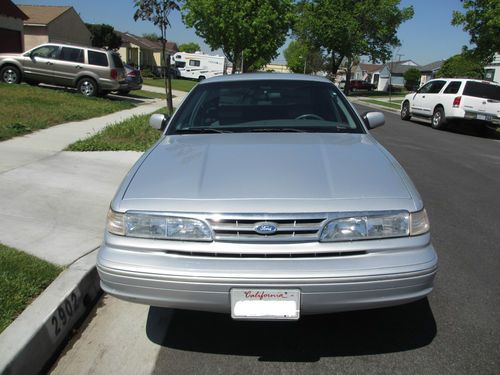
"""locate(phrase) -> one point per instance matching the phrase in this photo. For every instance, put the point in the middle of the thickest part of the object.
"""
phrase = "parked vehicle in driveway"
(445, 100)
(133, 80)
(361, 85)
(267, 198)
(93, 71)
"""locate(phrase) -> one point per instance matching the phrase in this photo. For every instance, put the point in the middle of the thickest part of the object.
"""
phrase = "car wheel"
(124, 92)
(87, 87)
(438, 119)
(405, 111)
(10, 74)
(201, 78)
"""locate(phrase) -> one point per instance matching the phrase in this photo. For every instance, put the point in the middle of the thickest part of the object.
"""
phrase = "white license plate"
(481, 117)
(265, 304)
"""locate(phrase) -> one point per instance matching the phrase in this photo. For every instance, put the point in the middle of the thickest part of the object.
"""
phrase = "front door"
(424, 100)
(38, 63)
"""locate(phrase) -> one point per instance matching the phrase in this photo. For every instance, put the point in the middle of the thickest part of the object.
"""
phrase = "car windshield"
(265, 105)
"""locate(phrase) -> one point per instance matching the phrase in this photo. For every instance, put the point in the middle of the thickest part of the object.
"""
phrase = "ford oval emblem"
(266, 228)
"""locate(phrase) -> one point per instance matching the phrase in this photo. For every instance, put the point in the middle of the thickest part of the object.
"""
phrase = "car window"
(265, 105)
(194, 62)
(425, 89)
(117, 60)
(48, 52)
(482, 90)
(436, 87)
(180, 64)
(98, 58)
(452, 87)
(71, 54)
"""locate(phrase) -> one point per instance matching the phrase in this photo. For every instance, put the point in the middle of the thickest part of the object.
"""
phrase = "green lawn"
(394, 104)
(133, 134)
(177, 84)
(25, 109)
(22, 278)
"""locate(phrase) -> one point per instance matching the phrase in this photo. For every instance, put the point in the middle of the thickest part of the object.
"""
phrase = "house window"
(71, 54)
(98, 58)
(194, 62)
(489, 74)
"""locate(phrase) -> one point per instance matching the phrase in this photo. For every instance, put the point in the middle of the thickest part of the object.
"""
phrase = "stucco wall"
(34, 35)
(69, 28)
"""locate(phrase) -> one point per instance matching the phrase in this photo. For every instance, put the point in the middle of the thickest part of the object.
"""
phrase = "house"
(143, 52)
(492, 71)
(56, 24)
(367, 72)
(392, 73)
(429, 71)
(11, 27)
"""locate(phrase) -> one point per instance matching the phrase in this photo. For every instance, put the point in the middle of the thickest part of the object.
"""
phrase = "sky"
(427, 37)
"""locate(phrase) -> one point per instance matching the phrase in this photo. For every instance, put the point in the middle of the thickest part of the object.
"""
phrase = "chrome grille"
(295, 228)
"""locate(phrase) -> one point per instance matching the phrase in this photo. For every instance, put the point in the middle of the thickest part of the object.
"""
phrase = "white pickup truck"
(451, 99)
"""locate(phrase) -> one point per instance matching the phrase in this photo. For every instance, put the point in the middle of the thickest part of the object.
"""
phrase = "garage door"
(11, 41)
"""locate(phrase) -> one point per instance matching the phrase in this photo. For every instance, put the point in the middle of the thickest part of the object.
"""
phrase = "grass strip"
(141, 94)
(133, 134)
(22, 278)
(26, 109)
(394, 104)
(177, 84)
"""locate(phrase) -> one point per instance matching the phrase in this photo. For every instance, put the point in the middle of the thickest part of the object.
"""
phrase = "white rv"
(198, 65)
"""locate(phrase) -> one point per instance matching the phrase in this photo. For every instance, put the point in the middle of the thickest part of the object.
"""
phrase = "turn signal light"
(456, 102)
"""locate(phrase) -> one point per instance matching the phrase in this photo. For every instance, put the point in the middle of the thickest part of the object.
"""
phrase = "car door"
(39, 62)
(423, 100)
(67, 65)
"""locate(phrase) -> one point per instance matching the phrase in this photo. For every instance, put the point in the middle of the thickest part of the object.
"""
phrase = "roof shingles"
(42, 14)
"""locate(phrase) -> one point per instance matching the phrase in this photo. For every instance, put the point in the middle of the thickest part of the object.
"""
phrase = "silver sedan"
(267, 198)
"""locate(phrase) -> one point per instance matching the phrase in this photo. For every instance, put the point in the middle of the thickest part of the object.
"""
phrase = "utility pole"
(305, 64)
(242, 59)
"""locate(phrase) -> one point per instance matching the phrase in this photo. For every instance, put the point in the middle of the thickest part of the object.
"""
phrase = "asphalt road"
(455, 331)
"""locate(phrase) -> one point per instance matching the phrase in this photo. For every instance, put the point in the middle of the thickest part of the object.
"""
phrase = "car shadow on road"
(377, 331)
(463, 129)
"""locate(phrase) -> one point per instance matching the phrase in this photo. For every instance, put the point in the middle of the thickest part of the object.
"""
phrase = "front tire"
(201, 78)
(87, 87)
(10, 74)
(438, 119)
(405, 111)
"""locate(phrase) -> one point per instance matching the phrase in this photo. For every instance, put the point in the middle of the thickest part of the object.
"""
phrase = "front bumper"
(327, 284)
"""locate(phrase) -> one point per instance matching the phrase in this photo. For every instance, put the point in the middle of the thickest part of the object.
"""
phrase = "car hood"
(267, 172)
(6, 55)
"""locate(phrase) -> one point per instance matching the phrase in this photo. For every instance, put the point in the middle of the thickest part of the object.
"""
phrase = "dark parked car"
(357, 84)
(133, 78)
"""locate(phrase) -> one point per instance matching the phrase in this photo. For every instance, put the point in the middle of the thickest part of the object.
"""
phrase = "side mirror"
(373, 119)
(159, 121)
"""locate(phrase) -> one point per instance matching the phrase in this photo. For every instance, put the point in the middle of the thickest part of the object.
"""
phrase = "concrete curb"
(32, 340)
(371, 105)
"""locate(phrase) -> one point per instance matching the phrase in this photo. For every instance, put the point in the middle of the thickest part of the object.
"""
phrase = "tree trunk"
(347, 87)
(167, 80)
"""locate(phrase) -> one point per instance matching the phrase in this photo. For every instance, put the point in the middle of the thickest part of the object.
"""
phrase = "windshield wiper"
(278, 130)
(201, 131)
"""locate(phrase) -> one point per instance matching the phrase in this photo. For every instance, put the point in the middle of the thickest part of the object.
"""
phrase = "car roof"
(265, 76)
(464, 80)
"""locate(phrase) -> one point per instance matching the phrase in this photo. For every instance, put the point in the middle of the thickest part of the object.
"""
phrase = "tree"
(158, 11)
(346, 29)
(104, 36)
(412, 77)
(482, 21)
(301, 58)
(249, 32)
(189, 47)
(151, 36)
(461, 66)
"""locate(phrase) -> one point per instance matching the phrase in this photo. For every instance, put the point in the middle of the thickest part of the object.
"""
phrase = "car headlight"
(375, 225)
(144, 225)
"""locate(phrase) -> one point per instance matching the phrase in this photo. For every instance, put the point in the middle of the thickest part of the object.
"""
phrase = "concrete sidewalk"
(54, 206)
